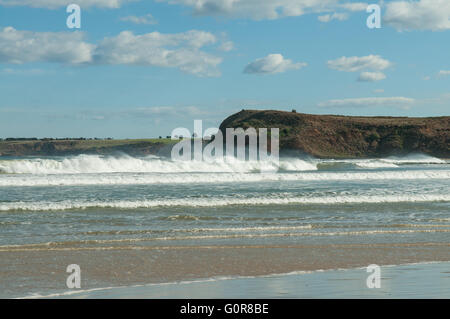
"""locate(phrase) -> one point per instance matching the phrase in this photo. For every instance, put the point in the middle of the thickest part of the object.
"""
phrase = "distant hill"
(333, 136)
(324, 136)
(49, 147)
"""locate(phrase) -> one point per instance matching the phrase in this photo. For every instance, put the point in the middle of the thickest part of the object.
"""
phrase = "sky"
(141, 68)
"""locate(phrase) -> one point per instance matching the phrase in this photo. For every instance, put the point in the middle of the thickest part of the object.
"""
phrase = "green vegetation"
(82, 146)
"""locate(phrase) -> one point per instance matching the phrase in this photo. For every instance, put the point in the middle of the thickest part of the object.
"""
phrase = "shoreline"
(178, 224)
(432, 280)
(43, 272)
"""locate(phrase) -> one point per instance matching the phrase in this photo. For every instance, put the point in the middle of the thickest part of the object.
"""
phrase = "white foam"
(375, 164)
(81, 244)
(414, 159)
(83, 164)
(219, 201)
(362, 163)
(203, 178)
(246, 229)
(389, 162)
(90, 164)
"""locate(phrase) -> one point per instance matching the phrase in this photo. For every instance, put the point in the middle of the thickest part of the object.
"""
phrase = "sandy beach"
(423, 280)
(43, 273)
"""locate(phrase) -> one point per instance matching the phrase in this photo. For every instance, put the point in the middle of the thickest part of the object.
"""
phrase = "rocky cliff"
(333, 136)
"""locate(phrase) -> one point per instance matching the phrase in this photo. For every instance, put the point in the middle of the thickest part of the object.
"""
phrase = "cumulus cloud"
(254, 9)
(371, 76)
(444, 72)
(418, 15)
(178, 50)
(273, 63)
(355, 64)
(54, 4)
(150, 112)
(265, 9)
(19, 47)
(402, 102)
(167, 110)
(146, 19)
(226, 46)
(335, 16)
(355, 6)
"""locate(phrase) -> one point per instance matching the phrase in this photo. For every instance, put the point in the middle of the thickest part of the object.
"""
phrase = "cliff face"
(333, 136)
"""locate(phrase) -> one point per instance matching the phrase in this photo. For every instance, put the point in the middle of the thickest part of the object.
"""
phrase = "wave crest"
(220, 201)
(88, 164)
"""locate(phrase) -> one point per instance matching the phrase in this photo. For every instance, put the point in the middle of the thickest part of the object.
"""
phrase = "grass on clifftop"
(93, 142)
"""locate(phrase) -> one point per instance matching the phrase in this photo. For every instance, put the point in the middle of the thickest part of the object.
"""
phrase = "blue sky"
(140, 68)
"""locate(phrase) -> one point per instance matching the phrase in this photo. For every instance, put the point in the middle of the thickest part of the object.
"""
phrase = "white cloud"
(150, 112)
(355, 6)
(54, 4)
(227, 46)
(418, 15)
(167, 110)
(402, 102)
(371, 76)
(254, 9)
(335, 16)
(273, 63)
(10, 71)
(178, 50)
(444, 72)
(264, 9)
(146, 19)
(355, 64)
(19, 47)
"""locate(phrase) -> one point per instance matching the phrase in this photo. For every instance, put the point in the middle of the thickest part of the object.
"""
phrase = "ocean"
(140, 220)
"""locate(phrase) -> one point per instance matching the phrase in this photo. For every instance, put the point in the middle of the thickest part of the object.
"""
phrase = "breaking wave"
(219, 201)
(389, 162)
(88, 164)
(414, 159)
(204, 178)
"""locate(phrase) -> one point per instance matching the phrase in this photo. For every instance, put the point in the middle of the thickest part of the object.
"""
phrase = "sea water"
(98, 202)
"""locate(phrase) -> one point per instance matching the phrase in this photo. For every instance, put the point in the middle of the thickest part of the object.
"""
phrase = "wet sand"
(43, 272)
(430, 280)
